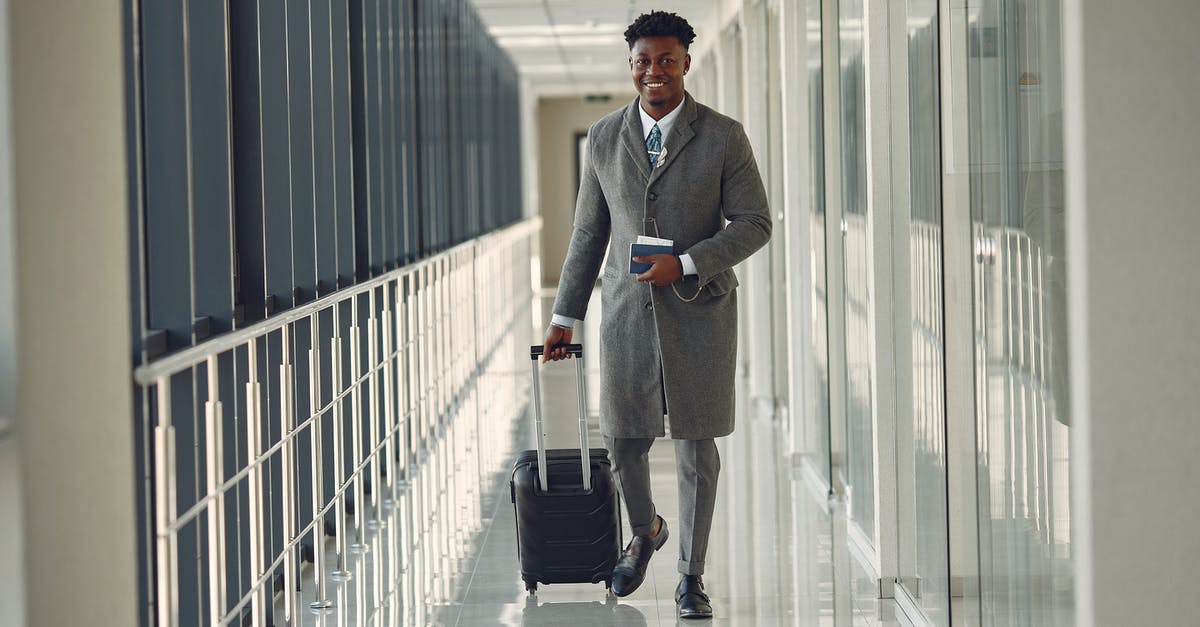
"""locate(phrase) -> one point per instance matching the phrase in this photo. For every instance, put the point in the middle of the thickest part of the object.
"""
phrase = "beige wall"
(75, 401)
(1134, 298)
(558, 120)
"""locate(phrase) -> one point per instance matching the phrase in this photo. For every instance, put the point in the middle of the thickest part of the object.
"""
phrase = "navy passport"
(644, 250)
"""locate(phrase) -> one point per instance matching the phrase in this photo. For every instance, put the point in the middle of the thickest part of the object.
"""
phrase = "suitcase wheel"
(531, 587)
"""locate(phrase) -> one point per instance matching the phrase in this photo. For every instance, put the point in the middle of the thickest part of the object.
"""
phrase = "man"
(668, 167)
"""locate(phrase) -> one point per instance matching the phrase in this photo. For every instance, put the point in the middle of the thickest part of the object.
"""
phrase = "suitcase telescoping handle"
(575, 350)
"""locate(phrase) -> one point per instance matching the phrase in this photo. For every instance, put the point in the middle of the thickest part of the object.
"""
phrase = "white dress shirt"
(664, 126)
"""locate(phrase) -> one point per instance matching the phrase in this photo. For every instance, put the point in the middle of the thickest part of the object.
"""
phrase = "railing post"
(322, 601)
(373, 431)
(254, 481)
(216, 507)
(359, 545)
(342, 569)
(389, 401)
(164, 507)
(288, 461)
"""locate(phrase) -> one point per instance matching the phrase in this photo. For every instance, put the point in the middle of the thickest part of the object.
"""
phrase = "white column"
(75, 393)
(1132, 156)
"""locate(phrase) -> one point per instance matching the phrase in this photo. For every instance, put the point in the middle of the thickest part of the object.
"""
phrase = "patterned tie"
(654, 145)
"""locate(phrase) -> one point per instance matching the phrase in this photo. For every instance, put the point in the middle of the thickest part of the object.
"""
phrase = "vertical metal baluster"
(322, 601)
(445, 378)
(399, 392)
(411, 393)
(164, 508)
(376, 521)
(373, 431)
(359, 545)
(342, 569)
(389, 402)
(433, 350)
(447, 330)
(216, 507)
(254, 480)
(287, 455)
(420, 370)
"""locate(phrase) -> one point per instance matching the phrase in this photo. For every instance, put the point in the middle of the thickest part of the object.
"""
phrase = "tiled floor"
(778, 554)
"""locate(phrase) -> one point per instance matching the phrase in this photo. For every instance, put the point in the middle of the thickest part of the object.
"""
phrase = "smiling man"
(667, 167)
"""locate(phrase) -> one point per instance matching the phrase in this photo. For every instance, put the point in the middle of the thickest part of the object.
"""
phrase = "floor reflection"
(445, 551)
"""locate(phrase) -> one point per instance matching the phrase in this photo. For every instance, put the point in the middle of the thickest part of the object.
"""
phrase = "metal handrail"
(415, 336)
(198, 507)
(174, 363)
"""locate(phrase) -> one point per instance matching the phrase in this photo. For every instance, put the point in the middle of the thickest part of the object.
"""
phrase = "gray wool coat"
(659, 354)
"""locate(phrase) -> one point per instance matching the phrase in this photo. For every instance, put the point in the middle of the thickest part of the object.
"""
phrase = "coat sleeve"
(589, 240)
(743, 204)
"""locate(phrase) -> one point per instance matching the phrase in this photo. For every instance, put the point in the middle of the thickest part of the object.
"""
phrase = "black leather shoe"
(690, 599)
(631, 567)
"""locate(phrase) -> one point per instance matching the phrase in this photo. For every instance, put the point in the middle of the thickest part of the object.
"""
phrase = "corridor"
(778, 555)
(270, 271)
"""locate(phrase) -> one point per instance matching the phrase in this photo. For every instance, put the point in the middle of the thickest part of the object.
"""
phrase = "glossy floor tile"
(446, 554)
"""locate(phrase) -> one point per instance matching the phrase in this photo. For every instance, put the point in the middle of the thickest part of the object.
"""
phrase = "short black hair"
(660, 24)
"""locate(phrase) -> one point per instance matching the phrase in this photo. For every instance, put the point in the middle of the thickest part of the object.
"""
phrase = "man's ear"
(687, 63)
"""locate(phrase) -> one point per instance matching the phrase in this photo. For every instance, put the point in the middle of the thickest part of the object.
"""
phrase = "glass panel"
(1023, 420)
(860, 462)
(928, 525)
(819, 430)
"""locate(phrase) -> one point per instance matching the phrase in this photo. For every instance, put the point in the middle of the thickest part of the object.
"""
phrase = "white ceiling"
(574, 46)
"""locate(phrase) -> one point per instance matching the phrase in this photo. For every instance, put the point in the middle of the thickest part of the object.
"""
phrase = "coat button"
(649, 306)
(653, 196)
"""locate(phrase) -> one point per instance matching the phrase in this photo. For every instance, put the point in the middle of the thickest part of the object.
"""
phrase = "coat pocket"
(723, 283)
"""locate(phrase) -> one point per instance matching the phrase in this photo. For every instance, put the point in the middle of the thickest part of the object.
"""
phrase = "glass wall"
(857, 255)
(925, 562)
(818, 427)
(1023, 420)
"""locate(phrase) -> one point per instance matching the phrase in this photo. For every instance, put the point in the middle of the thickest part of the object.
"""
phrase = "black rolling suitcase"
(568, 516)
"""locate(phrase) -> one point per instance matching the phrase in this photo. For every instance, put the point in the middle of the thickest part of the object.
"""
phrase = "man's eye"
(668, 61)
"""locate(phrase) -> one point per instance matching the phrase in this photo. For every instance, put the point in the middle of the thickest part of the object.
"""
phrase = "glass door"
(818, 429)
(921, 436)
(1022, 416)
(860, 465)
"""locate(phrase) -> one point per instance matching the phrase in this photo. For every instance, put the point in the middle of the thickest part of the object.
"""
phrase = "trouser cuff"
(648, 528)
(691, 568)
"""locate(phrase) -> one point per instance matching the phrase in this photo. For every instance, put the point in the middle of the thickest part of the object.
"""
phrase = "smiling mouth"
(654, 85)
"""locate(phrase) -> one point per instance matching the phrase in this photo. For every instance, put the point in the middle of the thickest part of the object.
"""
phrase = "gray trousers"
(697, 466)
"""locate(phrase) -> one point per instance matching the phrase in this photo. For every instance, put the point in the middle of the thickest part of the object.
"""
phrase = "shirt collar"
(664, 125)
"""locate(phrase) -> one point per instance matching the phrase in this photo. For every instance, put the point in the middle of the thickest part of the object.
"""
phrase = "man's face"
(658, 65)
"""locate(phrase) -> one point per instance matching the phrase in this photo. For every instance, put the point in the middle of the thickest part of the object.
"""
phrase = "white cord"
(673, 287)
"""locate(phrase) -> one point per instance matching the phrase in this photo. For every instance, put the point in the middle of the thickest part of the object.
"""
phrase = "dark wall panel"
(280, 151)
(277, 156)
(324, 175)
(300, 140)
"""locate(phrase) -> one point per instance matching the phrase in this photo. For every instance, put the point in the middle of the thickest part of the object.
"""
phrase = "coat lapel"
(681, 135)
(632, 139)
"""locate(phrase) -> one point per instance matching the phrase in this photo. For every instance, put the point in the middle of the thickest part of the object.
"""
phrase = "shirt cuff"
(689, 266)
(563, 321)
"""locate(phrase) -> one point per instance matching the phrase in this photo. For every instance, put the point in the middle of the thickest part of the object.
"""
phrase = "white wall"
(75, 392)
(558, 120)
(1133, 225)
